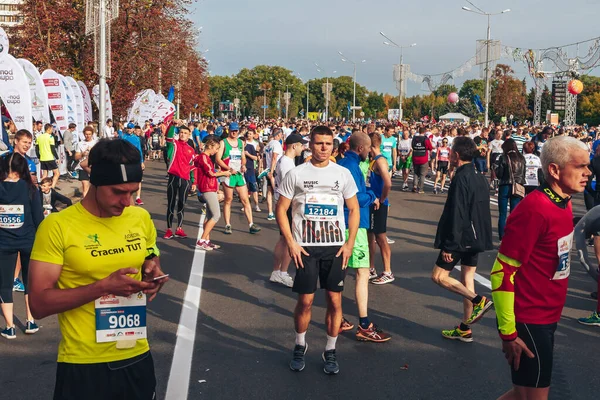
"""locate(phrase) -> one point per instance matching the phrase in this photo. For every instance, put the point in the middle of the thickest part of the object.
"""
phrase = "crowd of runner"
(327, 186)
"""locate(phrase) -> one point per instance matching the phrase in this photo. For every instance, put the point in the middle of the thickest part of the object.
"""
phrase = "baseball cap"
(295, 138)
(252, 126)
(130, 125)
(234, 126)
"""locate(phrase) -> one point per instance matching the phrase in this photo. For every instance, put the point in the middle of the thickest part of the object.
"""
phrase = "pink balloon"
(453, 98)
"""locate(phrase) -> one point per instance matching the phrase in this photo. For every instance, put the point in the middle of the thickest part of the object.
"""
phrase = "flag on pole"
(171, 95)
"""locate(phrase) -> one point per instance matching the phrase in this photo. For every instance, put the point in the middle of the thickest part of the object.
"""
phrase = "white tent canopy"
(454, 117)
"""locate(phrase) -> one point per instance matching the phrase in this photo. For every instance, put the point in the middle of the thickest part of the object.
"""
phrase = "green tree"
(472, 87)
(445, 90)
(375, 106)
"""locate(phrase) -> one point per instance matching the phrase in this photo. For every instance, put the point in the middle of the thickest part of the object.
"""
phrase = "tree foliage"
(509, 96)
(148, 36)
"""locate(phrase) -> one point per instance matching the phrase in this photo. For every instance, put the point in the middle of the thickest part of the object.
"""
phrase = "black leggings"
(8, 262)
(177, 189)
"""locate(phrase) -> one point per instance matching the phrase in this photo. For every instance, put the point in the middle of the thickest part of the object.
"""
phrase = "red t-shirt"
(539, 234)
(423, 159)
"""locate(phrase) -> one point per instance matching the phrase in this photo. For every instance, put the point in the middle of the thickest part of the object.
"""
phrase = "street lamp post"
(307, 92)
(287, 100)
(346, 59)
(487, 54)
(319, 69)
(390, 42)
(264, 89)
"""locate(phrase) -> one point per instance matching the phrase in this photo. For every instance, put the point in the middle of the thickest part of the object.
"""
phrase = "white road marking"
(478, 278)
(179, 377)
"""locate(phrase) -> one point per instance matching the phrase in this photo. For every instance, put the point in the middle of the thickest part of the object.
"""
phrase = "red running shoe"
(180, 233)
(139, 202)
(168, 234)
(372, 334)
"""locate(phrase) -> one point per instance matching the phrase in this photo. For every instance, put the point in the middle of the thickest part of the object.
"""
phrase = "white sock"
(300, 338)
(250, 224)
(330, 343)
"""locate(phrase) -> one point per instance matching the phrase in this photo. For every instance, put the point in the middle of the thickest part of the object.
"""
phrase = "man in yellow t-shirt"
(93, 264)
(45, 147)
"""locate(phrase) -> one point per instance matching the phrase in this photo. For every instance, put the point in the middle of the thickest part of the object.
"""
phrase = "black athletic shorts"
(378, 219)
(120, 380)
(442, 167)
(321, 264)
(466, 259)
(535, 372)
(289, 217)
(48, 165)
(494, 157)
(82, 175)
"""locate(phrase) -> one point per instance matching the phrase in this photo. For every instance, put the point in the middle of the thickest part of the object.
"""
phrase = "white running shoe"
(276, 277)
(390, 241)
(257, 209)
(286, 279)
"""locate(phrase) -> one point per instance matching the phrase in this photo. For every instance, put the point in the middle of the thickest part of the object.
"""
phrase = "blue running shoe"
(9, 333)
(18, 286)
(32, 327)
(297, 364)
(330, 364)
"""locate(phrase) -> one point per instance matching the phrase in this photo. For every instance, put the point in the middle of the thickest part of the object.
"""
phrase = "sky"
(242, 34)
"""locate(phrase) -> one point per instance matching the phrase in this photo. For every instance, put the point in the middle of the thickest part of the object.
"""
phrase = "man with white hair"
(530, 275)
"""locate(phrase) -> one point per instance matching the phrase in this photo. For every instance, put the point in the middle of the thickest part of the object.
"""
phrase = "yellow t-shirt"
(44, 141)
(90, 248)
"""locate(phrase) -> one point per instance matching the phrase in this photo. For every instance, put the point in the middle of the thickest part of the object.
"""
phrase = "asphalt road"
(244, 335)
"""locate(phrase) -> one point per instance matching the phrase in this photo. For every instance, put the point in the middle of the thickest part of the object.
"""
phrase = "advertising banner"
(79, 117)
(14, 87)
(70, 96)
(87, 102)
(96, 96)
(57, 98)
(164, 112)
(37, 91)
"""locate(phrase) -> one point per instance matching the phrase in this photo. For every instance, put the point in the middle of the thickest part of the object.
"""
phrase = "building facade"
(10, 13)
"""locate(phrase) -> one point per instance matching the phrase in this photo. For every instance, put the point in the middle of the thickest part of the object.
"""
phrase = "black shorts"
(466, 259)
(48, 165)
(120, 380)
(289, 217)
(322, 265)
(535, 372)
(156, 147)
(83, 175)
(442, 167)
(494, 157)
(378, 219)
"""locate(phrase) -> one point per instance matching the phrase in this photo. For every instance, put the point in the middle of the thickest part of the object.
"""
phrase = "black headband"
(115, 174)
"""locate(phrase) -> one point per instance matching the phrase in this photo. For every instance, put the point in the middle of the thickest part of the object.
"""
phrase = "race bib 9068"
(120, 318)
